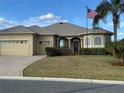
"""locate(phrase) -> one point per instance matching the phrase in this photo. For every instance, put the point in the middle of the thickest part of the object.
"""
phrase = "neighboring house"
(33, 40)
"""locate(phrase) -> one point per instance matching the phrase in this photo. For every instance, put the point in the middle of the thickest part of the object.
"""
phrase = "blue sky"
(46, 12)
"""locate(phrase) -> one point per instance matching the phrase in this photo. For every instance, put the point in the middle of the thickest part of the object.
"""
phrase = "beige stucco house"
(33, 40)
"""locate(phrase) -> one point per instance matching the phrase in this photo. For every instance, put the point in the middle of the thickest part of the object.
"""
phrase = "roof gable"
(16, 30)
(65, 29)
(101, 30)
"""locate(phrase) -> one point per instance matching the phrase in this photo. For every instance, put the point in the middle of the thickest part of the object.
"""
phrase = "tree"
(113, 7)
(119, 52)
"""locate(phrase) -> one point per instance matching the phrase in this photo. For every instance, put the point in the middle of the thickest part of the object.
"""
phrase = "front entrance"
(76, 45)
(41, 47)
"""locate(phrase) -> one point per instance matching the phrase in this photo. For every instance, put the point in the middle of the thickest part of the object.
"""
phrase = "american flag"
(91, 13)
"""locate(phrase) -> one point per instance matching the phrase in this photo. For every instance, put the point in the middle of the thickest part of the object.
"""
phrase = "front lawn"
(85, 67)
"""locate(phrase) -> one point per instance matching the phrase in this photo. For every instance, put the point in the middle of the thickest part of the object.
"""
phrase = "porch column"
(57, 42)
(81, 43)
(69, 43)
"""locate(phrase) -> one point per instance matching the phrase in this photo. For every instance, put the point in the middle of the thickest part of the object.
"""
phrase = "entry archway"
(76, 44)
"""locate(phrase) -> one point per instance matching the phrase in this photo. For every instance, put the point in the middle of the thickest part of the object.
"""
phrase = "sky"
(47, 12)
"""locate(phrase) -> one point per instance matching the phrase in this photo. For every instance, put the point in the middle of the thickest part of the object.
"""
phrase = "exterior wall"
(55, 42)
(34, 48)
(34, 44)
(43, 38)
(28, 37)
(81, 41)
(91, 37)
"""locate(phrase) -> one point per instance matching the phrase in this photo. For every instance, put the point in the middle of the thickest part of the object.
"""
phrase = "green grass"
(85, 67)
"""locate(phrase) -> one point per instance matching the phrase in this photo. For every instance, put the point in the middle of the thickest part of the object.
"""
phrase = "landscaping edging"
(62, 79)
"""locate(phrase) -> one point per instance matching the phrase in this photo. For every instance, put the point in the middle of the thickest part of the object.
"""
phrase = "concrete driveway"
(14, 65)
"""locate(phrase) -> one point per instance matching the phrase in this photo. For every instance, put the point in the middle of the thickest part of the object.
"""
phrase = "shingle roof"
(41, 31)
(66, 29)
(61, 29)
(101, 31)
(16, 30)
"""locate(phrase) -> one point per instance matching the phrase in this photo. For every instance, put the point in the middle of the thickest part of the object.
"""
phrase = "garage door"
(13, 47)
(42, 45)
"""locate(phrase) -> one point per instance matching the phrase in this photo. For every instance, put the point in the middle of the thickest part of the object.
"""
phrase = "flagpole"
(87, 24)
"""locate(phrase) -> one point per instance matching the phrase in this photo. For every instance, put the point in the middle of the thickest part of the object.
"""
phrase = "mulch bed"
(118, 64)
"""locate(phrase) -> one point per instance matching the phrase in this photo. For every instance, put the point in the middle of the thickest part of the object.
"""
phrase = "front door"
(41, 47)
(76, 45)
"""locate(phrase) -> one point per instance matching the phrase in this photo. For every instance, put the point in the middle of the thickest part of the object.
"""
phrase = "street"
(40, 86)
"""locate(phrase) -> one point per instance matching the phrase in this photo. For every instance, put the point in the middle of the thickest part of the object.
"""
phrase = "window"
(44, 42)
(61, 43)
(97, 41)
(87, 41)
(13, 42)
(40, 42)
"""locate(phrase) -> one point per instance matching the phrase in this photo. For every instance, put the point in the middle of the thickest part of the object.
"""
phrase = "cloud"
(110, 24)
(122, 25)
(49, 16)
(42, 20)
(4, 23)
(77, 20)
(120, 35)
(2, 20)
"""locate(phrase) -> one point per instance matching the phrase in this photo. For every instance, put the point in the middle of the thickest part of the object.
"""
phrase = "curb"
(62, 80)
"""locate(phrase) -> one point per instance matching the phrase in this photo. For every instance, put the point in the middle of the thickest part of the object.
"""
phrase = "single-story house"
(33, 40)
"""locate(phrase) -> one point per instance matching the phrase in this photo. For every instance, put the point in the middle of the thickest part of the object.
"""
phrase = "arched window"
(61, 43)
(97, 41)
(87, 41)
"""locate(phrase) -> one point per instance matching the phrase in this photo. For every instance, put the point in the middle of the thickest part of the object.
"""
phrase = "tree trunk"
(115, 24)
(115, 32)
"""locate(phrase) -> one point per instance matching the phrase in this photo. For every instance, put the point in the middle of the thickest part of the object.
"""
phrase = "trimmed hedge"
(65, 51)
(93, 51)
(58, 51)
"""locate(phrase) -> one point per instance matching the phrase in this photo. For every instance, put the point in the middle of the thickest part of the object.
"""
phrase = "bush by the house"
(93, 51)
(58, 51)
(110, 47)
(65, 51)
(118, 52)
(51, 51)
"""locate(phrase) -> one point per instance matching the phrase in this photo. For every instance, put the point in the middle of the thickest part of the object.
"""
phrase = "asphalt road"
(29, 86)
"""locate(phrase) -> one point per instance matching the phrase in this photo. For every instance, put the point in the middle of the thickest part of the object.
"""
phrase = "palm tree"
(113, 7)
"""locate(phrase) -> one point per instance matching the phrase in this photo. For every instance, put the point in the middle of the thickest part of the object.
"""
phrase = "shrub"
(51, 51)
(85, 51)
(93, 51)
(110, 47)
(119, 52)
(101, 51)
(58, 51)
(65, 51)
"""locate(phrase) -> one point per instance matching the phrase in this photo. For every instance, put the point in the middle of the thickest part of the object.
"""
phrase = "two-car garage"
(14, 47)
(16, 41)
(22, 41)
